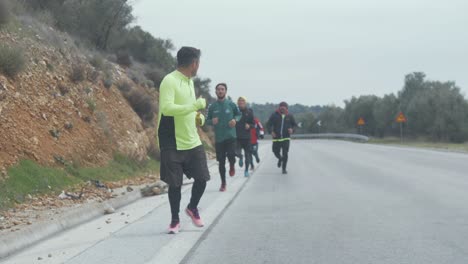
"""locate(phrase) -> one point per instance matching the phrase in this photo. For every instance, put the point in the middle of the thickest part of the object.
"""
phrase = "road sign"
(361, 122)
(401, 118)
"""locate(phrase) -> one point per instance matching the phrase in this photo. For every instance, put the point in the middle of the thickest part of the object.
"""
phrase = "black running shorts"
(176, 163)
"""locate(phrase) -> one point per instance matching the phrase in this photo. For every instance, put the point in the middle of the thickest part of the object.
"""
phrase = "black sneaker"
(279, 163)
(285, 171)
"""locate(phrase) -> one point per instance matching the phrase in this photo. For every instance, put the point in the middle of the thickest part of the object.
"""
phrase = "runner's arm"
(169, 108)
(237, 112)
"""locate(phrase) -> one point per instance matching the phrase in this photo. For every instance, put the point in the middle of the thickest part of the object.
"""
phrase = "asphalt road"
(347, 203)
(340, 203)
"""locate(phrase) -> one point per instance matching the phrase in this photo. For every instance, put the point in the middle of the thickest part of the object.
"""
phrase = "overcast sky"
(316, 52)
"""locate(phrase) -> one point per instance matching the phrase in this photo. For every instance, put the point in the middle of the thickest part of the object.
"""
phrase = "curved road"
(347, 203)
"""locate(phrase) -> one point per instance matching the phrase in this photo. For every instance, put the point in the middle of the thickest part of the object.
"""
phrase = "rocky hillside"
(58, 109)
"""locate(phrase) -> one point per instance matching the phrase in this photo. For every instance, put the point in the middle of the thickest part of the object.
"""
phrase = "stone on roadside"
(160, 184)
(109, 210)
(156, 191)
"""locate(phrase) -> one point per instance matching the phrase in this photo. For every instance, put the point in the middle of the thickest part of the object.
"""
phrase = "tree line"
(434, 110)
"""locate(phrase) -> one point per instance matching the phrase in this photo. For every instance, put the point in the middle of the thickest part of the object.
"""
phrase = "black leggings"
(281, 150)
(225, 149)
(175, 195)
(244, 144)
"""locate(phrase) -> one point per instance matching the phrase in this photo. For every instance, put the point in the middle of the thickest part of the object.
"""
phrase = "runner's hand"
(199, 119)
(290, 130)
(247, 126)
(200, 103)
(215, 121)
(232, 123)
(273, 134)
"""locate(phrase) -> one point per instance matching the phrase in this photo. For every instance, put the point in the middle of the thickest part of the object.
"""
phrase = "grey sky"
(316, 52)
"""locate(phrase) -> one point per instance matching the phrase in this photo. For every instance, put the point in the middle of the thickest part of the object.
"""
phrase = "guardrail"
(351, 137)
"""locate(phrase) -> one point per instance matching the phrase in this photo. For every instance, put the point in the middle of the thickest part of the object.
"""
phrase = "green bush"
(12, 60)
(108, 83)
(142, 104)
(78, 72)
(149, 84)
(91, 105)
(124, 86)
(124, 58)
(156, 76)
(98, 62)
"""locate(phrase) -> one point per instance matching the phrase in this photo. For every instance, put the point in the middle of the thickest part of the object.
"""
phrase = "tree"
(384, 112)
(202, 88)
(358, 107)
(332, 119)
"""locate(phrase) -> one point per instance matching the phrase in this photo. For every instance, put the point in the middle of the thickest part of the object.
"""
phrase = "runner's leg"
(198, 189)
(247, 153)
(231, 154)
(239, 147)
(277, 152)
(255, 152)
(196, 167)
(171, 171)
(231, 151)
(221, 157)
(285, 148)
(174, 200)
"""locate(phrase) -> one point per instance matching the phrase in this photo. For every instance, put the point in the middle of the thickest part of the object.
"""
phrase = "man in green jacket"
(224, 115)
(182, 151)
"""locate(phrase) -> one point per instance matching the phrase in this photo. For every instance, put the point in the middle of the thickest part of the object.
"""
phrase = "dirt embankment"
(48, 117)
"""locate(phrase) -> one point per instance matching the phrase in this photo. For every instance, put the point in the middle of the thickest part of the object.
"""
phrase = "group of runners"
(236, 128)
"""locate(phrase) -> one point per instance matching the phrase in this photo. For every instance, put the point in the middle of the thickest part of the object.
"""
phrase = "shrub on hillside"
(156, 76)
(149, 84)
(4, 12)
(124, 58)
(97, 61)
(124, 86)
(141, 104)
(78, 72)
(12, 60)
(108, 83)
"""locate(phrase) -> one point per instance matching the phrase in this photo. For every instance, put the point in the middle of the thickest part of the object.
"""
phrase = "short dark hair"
(222, 84)
(187, 55)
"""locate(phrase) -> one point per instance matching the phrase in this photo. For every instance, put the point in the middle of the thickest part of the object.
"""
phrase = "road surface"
(347, 203)
(340, 203)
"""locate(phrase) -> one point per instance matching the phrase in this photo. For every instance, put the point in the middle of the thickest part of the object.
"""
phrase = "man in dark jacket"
(281, 125)
(243, 134)
(223, 115)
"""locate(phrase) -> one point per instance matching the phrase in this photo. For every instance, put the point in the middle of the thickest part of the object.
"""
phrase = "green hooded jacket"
(225, 111)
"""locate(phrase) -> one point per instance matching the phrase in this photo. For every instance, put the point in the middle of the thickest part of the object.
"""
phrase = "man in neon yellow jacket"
(182, 151)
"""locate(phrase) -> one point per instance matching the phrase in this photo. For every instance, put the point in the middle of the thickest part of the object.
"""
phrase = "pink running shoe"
(195, 216)
(232, 171)
(174, 227)
(222, 188)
